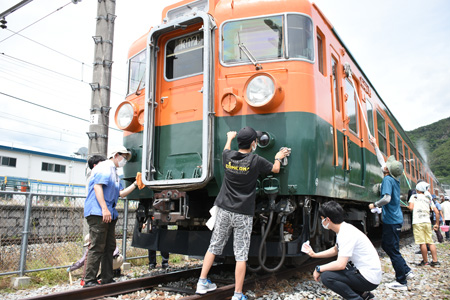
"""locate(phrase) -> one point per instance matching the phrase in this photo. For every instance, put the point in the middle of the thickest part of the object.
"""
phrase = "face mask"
(254, 148)
(122, 163)
(326, 227)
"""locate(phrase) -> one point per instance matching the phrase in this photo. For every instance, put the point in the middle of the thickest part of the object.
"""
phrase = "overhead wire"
(52, 71)
(42, 125)
(51, 109)
(59, 52)
(35, 22)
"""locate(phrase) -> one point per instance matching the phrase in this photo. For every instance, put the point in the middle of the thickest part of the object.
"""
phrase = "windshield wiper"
(250, 56)
(138, 92)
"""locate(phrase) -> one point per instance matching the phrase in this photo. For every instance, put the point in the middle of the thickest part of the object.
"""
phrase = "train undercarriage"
(176, 223)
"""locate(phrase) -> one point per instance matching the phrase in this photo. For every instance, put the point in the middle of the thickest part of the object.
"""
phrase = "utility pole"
(101, 79)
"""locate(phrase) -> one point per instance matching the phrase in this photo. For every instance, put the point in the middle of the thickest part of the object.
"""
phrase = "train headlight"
(262, 91)
(127, 116)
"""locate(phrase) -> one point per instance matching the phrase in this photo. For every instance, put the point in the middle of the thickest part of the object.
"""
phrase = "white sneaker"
(397, 286)
(203, 288)
(410, 275)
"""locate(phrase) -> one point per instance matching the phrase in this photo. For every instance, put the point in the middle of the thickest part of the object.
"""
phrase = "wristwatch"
(318, 269)
(135, 185)
(279, 159)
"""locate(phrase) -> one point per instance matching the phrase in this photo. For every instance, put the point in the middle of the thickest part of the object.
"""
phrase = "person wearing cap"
(236, 205)
(420, 205)
(104, 189)
(392, 218)
(446, 212)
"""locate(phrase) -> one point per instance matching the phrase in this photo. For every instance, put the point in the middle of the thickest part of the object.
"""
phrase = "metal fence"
(46, 231)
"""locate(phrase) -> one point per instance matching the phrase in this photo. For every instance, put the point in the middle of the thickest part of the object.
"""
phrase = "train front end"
(212, 67)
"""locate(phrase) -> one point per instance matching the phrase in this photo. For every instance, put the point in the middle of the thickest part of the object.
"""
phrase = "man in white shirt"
(446, 211)
(357, 270)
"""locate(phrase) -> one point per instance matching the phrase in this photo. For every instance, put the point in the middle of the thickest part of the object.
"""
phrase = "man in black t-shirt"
(236, 204)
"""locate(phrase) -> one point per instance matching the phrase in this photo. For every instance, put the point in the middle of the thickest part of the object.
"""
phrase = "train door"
(339, 132)
(354, 142)
(178, 131)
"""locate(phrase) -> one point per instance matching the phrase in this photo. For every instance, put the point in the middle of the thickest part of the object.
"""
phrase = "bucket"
(444, 228)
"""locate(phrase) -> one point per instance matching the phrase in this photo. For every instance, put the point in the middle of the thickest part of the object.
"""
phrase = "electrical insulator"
(3, 21)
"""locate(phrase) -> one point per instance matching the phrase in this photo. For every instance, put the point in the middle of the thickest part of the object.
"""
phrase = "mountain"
(434, 143)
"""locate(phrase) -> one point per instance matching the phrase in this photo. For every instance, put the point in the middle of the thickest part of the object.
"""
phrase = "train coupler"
(171, 206)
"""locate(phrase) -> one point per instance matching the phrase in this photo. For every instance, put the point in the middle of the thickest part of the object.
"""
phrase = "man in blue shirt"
(104, 189)
(392, 218)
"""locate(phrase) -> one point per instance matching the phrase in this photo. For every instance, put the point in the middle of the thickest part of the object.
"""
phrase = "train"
(279, 66)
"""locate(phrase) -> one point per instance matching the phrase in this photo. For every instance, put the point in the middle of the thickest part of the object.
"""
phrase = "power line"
(38, 135)
(59, 52)
(35, 22)
(51, 109)
(22, 120)
(49, 70)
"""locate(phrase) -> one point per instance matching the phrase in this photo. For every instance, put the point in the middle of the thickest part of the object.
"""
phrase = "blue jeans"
(348, 283)
(390, 242)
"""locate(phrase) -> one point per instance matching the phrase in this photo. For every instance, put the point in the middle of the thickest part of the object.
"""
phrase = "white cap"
(422, 186)
(119, 149)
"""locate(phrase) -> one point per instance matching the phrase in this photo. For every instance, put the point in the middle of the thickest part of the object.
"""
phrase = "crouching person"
(357, 269)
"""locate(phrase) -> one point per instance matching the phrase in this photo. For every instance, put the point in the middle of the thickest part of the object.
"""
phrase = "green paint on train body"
(310, 170)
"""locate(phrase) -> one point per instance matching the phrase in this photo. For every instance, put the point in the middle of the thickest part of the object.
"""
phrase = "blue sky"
(401, 45)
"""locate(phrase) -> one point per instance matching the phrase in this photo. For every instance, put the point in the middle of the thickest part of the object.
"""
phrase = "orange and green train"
(275, 65)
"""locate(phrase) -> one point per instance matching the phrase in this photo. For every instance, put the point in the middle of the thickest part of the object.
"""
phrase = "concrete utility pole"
(101, 79)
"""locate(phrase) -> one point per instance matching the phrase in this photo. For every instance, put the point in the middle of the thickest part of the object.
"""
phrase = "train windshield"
(264, 38)
(184, 56)
(136, 72)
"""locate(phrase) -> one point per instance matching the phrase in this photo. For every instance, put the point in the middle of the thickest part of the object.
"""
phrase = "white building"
(40, 172)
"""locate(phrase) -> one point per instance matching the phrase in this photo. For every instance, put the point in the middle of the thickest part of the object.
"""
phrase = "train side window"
(184, 56)
(381, 126)
(407, 161)
(392, 148)
(350, 106)
(300, 37)
(136, 72)
(413, 166)
(400, 156)
(370, 117)
(320, 51)
(334, 65)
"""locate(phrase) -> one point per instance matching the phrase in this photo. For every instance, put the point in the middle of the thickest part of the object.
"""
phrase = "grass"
(54, 277)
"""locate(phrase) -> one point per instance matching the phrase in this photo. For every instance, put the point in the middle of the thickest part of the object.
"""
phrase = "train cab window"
(320, 55)
(392, 147)
(381, 126)
(260, 39)
(352, 111)
(370, 116)
(263, 39)
(407, 161)
(300, 37)
(136, 72)
(334, 65)
(184, 56)
(400, 156)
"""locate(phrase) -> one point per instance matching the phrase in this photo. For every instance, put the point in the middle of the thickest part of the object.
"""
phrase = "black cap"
(245, 137)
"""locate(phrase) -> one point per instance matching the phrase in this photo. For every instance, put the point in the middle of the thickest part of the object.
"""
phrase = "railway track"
(224, 291)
